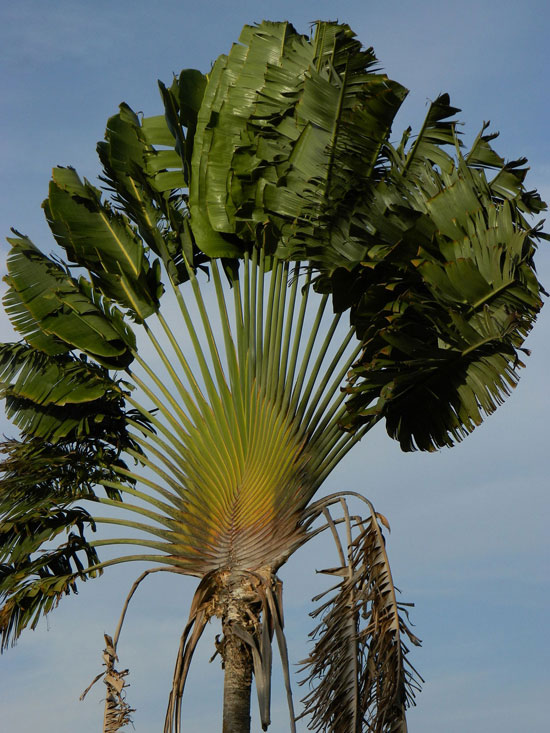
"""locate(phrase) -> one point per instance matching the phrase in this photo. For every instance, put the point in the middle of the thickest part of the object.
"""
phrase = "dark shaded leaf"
(445, 297)
(31, 587)
(59, 397)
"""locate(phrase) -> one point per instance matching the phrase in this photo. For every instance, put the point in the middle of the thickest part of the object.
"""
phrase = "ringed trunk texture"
(237, 685)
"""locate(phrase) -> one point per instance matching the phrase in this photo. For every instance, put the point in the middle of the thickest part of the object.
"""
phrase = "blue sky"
(469, 542)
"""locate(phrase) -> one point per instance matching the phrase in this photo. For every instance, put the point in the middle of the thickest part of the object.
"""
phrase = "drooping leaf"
(31, 584)
(34, 471)
(73, 441)
(358, 672)
(59, 397)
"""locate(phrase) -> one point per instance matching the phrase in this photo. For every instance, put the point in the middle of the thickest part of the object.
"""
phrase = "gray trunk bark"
(237, 685)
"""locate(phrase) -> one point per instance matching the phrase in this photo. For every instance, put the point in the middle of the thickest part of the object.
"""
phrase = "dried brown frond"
(117, 711)
(358, 673)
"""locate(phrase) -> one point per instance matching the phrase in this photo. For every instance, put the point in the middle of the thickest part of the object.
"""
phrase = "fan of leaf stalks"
(267, 278)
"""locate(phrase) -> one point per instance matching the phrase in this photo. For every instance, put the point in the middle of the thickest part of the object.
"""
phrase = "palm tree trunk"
(237, 684)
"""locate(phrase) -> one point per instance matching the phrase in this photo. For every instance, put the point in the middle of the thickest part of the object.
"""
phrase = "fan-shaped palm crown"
(274, 174)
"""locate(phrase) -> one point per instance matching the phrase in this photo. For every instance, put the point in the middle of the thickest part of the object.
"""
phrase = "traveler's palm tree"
(271, 181)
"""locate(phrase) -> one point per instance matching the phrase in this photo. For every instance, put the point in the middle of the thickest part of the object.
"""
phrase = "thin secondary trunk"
(237, 685)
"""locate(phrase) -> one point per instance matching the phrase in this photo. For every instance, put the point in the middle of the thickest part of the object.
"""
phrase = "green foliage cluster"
(276, 168)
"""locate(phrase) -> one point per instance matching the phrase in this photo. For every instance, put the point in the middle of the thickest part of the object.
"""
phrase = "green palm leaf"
(51, 308)
(142, 178)
(444, 310)
(100, 239)
(59, 397)
(294, 141)
(32, 588)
